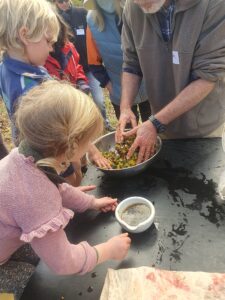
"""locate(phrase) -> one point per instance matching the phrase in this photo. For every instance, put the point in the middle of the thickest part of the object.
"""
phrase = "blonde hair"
(38, 17)
(98, 16)
(56, 119)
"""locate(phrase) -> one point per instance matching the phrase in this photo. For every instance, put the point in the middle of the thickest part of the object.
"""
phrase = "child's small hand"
(105, 204)
(96, 156)
(115, 248)
(118, 246)
(100, 160)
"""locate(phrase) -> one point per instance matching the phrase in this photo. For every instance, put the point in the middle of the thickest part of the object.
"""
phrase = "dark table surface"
(189, 229)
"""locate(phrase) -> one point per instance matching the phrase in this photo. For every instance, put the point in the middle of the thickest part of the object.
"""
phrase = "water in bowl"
(135, 214)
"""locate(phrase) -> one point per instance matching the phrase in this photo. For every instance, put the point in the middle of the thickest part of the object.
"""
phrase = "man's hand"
(126, 117)
(146, 136)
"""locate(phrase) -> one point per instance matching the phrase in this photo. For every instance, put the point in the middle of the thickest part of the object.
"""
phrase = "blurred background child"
(63, 61)
(26, 39)
(75, 17)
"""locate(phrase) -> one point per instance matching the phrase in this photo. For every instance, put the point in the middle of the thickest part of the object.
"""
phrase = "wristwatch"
(157, 124)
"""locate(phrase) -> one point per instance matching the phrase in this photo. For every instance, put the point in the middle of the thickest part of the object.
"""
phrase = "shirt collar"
(22, 68)
(166, 10)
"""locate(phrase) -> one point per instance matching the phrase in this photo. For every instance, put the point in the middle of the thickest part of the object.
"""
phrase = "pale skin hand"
(188, 98)
(130, 87)
(115, 248)
(126, 117)
(96, 156)
(104, 204)
(145, 140)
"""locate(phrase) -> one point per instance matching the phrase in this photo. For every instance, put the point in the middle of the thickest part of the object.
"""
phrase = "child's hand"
(118, 246)
(96, 156)
(100, 160)
(105, 204)
(115, 248)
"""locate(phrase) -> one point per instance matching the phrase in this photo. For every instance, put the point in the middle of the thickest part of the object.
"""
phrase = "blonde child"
(28, 29)
(57, 124)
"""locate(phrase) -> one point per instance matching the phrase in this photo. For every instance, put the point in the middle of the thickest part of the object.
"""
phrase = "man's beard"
(153, 8)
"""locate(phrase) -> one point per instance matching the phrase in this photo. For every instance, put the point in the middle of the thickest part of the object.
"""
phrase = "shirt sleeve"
(209, 55)
(40, 209)
(130, 57)
(62, 257)
(74, 199)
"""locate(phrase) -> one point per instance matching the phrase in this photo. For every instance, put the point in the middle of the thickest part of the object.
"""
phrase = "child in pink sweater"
(57, 124)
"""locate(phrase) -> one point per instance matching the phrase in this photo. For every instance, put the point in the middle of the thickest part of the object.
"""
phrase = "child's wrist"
(94, 204)
(97, 255)
(103, 252)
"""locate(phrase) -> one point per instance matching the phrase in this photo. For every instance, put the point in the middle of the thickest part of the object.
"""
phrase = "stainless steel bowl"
(107, 143)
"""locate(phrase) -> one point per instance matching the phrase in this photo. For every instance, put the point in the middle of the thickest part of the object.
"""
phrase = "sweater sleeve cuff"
(91, 258)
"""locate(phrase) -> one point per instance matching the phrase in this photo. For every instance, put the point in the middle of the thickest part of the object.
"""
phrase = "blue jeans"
(97, 95)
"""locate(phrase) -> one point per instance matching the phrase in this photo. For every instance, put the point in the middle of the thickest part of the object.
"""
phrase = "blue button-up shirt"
(16, 78)
(165, 17)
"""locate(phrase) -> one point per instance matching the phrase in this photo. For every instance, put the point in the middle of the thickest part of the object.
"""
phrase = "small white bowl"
(131, 201)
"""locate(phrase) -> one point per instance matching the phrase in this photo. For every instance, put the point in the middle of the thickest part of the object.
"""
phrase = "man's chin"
(151, 10)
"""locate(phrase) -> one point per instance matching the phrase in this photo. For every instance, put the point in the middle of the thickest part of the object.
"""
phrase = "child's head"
(58, 121)
(28, 28)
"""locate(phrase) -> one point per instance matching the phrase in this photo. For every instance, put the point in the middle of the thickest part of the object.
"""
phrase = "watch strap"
(157, 124)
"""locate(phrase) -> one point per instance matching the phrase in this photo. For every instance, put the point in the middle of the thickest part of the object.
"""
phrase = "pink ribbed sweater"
(33, 210)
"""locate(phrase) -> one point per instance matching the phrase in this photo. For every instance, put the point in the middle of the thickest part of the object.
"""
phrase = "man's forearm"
(188, 98)
(130, 88)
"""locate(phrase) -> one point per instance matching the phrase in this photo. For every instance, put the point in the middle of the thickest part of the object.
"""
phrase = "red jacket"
(72, 70)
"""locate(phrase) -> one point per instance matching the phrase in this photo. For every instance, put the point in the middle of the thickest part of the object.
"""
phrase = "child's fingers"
(111, 201)
(104, 163)
(106, 209)
(125, 234)
(106, 204)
